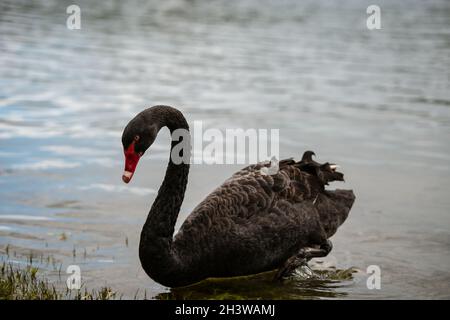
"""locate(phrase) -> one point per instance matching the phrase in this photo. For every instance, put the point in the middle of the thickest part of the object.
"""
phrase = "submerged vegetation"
(303, 284)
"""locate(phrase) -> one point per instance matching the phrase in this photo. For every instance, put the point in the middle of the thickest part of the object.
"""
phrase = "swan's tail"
(326, 172)
(334, 207)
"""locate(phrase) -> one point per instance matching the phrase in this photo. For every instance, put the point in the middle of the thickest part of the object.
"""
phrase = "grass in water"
(24, 284)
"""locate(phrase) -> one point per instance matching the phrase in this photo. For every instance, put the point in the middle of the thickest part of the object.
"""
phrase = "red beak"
(131, 161)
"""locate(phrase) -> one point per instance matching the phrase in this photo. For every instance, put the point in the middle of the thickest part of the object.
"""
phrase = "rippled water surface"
(375, 102)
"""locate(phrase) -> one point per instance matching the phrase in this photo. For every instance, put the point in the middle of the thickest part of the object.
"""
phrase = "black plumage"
(253, 222)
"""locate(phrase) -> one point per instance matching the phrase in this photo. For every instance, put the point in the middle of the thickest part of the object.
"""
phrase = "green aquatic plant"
(25, 284)
(22, 284)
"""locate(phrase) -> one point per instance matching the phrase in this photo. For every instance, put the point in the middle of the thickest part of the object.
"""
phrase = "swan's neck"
(157, 255)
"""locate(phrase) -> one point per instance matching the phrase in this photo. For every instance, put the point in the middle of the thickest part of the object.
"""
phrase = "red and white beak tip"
(126, 177)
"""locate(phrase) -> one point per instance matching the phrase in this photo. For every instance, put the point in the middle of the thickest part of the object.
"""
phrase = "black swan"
(252, 223)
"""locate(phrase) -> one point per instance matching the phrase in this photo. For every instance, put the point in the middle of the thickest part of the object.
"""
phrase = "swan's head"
(137, 137)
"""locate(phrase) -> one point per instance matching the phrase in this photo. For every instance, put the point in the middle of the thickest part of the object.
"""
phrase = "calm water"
(375, 102)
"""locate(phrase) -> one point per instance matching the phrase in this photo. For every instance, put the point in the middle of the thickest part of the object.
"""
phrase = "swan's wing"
(250, 192)
(247, 193)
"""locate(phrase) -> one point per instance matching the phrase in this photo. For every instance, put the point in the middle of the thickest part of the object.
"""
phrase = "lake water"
(375, 102)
